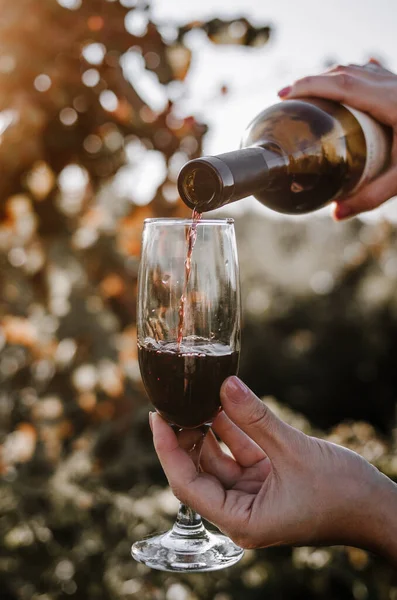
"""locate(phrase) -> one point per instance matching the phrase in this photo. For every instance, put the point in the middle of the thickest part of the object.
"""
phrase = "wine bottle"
(295, 157)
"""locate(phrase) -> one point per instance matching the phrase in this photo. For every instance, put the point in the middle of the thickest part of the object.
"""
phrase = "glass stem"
(188, 522)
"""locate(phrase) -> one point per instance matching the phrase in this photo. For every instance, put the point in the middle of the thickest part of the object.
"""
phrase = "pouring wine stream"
(191, 440)
(191, 237)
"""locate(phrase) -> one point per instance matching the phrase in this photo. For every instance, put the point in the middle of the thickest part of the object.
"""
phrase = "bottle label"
(378, 146)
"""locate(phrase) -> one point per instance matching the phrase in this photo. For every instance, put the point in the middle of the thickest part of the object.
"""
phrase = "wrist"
(366, 511)
(380, 526)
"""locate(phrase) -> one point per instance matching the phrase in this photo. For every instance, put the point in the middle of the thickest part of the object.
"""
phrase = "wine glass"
(188, 344)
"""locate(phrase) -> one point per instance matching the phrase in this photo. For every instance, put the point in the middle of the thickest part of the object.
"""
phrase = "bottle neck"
(211, 182)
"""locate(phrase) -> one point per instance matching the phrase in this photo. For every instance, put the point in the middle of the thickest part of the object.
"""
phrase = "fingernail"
(150, 420)
(285, 91)
(343, 211)
(235, 389)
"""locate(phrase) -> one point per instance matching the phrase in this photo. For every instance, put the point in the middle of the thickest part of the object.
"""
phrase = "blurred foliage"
(81, 140)
(321, 317)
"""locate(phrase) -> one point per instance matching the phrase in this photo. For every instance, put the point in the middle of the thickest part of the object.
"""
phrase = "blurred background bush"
(94, 126)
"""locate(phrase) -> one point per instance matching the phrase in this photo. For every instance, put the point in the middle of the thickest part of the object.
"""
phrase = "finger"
(378, 66)
(375, 61)
(253, 417)
(373, 66)
(347, 87)
(215, 462)
(203, 493)
(368, 70)
(244, 449)
(371, 196)
(339, 68)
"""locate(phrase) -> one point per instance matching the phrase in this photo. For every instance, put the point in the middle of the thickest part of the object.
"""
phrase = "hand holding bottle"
(371, 89)
(305, 152)
(282, 486)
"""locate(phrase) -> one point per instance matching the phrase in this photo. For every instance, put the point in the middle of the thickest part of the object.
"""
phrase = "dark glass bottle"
(296, 157)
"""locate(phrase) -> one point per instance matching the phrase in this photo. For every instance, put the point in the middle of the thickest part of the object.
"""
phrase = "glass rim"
(181, 221)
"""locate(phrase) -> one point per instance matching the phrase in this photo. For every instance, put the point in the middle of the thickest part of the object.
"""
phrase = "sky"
(306, 32)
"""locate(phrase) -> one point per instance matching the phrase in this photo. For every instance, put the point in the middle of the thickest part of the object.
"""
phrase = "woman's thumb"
(254, 418)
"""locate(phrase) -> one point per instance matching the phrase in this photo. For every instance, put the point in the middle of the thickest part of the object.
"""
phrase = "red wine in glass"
(183, 381)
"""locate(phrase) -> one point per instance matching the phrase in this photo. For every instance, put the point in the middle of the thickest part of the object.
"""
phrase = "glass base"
(201, 551)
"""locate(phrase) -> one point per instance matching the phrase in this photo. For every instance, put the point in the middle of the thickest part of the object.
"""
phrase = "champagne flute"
(188, 344)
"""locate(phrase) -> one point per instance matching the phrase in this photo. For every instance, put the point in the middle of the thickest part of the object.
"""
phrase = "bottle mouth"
(199, 185)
